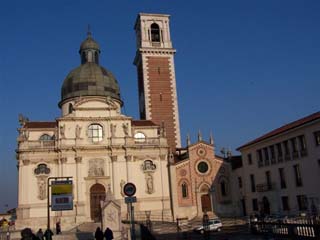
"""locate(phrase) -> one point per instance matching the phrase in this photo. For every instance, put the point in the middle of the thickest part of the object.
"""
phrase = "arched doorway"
(206, 203)
(205, 199)
(97, 194)
(265, 206)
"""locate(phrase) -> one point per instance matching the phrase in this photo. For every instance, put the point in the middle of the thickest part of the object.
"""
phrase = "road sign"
(129, 189)
(130, 199)
(61, 195)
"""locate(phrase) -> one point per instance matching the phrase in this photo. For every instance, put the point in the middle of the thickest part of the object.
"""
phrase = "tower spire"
(188, 139)
(199, 136)
(211, 138)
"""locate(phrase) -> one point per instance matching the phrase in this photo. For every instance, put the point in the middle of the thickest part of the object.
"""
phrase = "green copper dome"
(90, 79)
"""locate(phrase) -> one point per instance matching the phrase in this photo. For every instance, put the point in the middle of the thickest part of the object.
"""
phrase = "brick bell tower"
(156, 74)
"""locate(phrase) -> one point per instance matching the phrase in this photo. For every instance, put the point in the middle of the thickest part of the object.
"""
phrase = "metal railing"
(308, 228)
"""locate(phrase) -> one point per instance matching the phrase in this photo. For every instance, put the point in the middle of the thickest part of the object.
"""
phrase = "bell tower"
(156, 74)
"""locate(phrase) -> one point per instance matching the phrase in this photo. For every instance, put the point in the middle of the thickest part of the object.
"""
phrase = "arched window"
(83, 58)
(95, 132)
(96, 58)
(184, 190)
(45, 137)
(70, 108)
(155, 32)
(139, 137)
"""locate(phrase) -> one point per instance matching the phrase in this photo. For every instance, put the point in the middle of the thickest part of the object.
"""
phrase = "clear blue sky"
(242, 67)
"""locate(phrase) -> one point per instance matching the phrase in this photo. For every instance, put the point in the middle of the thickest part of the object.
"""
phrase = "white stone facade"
(118, 157)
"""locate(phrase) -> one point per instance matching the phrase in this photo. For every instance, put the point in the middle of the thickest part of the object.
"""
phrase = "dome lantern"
(89, 50)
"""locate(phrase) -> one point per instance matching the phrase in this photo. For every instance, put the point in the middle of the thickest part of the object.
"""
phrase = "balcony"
(265, 187)
(280, 158)
(50, 144)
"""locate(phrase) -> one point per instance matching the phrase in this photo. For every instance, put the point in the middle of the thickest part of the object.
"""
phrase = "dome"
(90, 79)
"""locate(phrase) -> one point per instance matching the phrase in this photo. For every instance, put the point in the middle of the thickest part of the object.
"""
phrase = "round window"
(203, 167)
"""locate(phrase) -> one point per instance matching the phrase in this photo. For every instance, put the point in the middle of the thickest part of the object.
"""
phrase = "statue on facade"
(62, 130)
(149, 183)
(42, 188)
(23, 119)
(125, 127)
(122, 183)
(78, 131)
(113, 128)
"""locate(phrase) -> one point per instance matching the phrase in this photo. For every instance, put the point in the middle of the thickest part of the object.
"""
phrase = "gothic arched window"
(184, 190)
(155, 32)
(223, 188)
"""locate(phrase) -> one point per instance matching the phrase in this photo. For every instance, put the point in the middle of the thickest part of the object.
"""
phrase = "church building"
(102, 149)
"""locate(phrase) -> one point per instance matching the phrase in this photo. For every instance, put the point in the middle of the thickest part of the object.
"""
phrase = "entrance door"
(266, 206)
(206, 203)
(97, 194)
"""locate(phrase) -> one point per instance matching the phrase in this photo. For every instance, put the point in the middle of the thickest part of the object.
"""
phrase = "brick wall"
(162, 96)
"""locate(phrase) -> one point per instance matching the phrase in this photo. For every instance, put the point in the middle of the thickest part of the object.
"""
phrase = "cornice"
(70, 119)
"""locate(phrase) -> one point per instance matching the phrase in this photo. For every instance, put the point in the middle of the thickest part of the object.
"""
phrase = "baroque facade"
(102, 149)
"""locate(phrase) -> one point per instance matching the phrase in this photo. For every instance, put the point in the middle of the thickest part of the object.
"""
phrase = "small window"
(252, 182)
(139, 137)
(255, 204)
(283, 183)
(249, 159)
(70, 108)
(95, 133)
(297, 175)
(184, 190)
(302, 202)
(223, 188)
(155, 32)
(317, 138)
(273, 154)
(45, 137)
(285, 203)
(266, 156)
(259, 157)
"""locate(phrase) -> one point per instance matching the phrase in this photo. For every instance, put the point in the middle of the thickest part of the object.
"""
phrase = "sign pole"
(129, 190)
(133, 235)
(48, 203)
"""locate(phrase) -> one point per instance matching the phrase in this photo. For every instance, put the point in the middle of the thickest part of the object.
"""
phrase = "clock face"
(203, 167)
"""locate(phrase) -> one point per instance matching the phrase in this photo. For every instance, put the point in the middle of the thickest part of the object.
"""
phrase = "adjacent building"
(280, 171)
